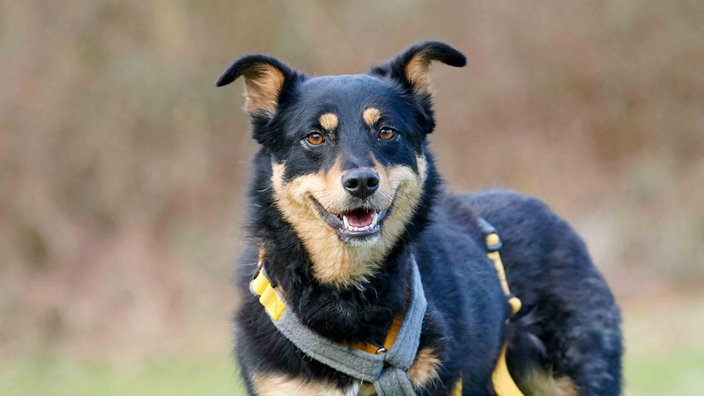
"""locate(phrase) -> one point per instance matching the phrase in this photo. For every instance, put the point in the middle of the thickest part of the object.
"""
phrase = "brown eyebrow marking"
(371, 115)
(329, 121)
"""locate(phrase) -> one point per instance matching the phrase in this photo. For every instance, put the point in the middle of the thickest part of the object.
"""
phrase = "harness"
(384, 366)
(501, 378)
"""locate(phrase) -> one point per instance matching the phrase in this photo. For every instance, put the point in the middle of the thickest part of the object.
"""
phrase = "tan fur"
(367, 389)
(328, 121)
(277, 385)
(543, 383)
(371, 115)
(262, 87)
(417, 73)
(424, 369)
(336, 262)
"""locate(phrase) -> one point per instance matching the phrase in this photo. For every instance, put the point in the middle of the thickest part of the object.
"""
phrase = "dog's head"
(348, 161)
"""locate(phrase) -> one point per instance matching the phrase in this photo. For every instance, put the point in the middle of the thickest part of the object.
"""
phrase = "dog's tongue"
(360, 217)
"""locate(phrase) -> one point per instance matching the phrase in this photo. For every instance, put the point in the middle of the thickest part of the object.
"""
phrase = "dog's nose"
(361, 183)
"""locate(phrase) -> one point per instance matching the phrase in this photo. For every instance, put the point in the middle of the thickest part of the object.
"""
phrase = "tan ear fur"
(411, 65)
(417, 73)
(263, 85)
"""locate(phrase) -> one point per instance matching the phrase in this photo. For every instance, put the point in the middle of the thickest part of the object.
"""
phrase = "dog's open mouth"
(356, 224)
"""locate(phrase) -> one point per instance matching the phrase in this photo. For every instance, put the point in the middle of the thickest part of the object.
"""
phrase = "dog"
(363, 275)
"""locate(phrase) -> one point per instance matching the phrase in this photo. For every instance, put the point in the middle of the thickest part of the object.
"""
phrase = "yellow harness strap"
(388, 342)
(514, 302)
(268, 296)
(501, 378)
(457, 390)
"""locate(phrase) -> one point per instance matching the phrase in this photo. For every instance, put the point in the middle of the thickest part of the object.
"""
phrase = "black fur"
(569, 323)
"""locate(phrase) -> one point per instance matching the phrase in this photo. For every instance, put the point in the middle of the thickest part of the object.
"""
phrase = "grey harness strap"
(386, 369)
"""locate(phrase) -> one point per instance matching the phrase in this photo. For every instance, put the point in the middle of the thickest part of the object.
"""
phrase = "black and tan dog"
(346, 205)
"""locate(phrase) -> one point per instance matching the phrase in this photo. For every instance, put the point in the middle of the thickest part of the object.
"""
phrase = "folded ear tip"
(222, 81)
(458, 60)
(450, 55)
(229, 75)
(235, 70)
(264, 77)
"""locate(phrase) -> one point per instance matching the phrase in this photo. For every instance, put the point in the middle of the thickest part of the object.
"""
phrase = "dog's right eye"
(315, 139)
(386, 134)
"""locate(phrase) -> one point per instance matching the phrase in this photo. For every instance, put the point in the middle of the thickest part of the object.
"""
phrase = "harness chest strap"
(385, 367)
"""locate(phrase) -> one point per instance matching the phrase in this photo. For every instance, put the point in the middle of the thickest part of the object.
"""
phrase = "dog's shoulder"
(518, 219)
(507, 206)
(522, 221)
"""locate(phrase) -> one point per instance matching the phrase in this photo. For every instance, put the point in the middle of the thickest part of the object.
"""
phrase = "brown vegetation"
(122, 167)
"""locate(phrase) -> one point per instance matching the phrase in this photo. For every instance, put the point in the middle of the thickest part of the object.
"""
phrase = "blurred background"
(122, 167)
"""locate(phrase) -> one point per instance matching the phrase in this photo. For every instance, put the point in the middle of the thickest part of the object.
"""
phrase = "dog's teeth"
(374, 223)
(375, 218)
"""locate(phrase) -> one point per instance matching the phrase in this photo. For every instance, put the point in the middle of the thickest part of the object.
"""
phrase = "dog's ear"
(410, 67)
(265, 78)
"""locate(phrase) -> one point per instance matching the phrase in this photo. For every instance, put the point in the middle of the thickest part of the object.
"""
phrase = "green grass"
(160, 377)
(679, 372)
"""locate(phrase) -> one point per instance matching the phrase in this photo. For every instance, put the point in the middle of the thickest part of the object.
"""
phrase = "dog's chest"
(276, 385)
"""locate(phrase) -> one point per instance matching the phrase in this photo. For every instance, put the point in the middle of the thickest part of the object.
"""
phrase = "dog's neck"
(360, 313)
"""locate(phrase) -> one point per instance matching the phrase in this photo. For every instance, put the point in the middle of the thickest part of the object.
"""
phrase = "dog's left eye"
(315, 139)
(386, 134)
